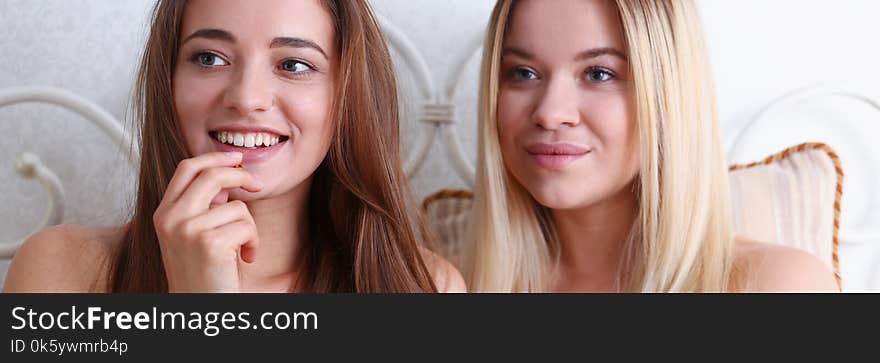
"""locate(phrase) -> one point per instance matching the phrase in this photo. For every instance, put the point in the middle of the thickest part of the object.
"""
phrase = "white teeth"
(248, 140)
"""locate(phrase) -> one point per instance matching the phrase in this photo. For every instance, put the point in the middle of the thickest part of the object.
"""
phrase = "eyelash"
(301, 74)
(197, 60)
(609, 73)
(515, 74)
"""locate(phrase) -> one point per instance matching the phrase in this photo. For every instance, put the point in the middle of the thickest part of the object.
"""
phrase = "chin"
(558, 198)
(563, 196)
(559, 203)
(554, 191)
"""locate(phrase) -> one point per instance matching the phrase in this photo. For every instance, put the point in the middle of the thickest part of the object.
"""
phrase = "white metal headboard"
(28, 165)
(439, 111)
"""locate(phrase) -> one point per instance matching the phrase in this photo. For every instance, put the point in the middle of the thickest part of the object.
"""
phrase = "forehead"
(262, 20)
(566, 26)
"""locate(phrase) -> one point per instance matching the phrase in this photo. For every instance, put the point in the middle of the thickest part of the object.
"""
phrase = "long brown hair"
(363, 238)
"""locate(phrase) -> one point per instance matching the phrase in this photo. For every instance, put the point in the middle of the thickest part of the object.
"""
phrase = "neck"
(282, 225)
(592, 241)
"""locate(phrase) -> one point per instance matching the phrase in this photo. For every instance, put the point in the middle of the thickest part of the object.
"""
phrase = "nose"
(249, 92)
(558, 105)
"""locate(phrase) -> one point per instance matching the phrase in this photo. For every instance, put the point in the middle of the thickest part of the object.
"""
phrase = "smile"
(249, 140)
(255, 145)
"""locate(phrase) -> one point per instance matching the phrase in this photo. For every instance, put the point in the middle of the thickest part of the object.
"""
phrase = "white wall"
(760, 49)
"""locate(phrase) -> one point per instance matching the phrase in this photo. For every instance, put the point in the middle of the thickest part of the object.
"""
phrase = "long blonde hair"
(682, 237)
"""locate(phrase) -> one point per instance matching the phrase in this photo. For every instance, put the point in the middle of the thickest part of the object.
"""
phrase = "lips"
(256, 144)
(556, 149)
(556, 156)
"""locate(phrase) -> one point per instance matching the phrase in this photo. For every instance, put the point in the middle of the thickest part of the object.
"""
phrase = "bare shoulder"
(65, 258)
(446, 277)
(772, 268)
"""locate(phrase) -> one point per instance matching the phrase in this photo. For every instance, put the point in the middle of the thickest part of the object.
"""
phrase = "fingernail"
(234, 154)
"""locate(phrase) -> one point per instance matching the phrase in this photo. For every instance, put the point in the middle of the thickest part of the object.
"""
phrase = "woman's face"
(255, 77)
(566, 123)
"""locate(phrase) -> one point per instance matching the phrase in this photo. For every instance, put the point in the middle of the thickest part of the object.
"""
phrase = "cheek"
(193, 109)
(309, 115)
(513, 118)
(616, 129)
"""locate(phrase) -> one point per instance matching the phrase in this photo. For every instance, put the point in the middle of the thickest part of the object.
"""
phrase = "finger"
(198, 196)
(220, 199)
(241, 236)
(220, 215)
(248, 252)
(190, 168)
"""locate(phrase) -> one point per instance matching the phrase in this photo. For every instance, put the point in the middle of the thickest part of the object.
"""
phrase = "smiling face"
(566, 123)
(256, 77)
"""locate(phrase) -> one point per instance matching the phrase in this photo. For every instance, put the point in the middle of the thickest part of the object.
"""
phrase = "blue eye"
(598, 75)
(523, 74)
(208, 59)
(295, 66)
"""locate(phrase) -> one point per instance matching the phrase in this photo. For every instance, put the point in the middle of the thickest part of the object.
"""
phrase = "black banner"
(80, 327)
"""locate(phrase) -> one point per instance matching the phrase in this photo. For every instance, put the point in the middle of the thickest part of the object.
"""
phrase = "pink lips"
(556, 156)
(251, 155)
(245, 129)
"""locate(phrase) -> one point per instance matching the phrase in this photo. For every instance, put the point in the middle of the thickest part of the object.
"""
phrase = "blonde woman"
(600, 165)
(266, 165)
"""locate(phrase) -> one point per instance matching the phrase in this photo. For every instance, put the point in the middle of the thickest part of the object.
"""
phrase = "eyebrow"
(584, 55)
(278, 42)
(217, 34)
(297, 43)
